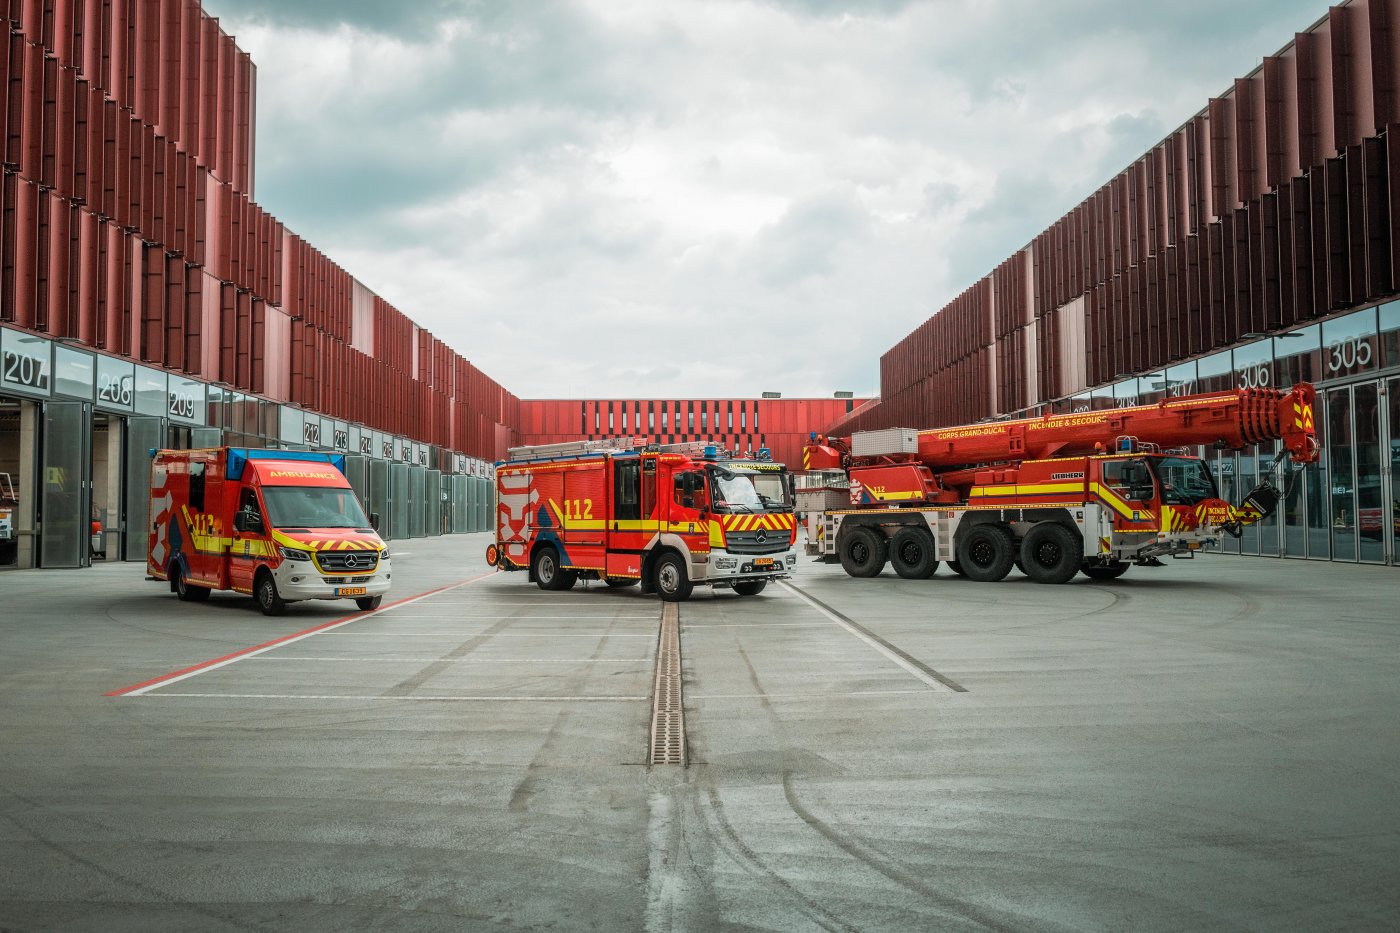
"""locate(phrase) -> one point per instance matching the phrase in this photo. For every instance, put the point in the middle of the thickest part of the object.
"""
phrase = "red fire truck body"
(1092, 491)
(667, 517)
(279, 525)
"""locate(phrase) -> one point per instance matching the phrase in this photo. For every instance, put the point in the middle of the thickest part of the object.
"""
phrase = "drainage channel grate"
(667, 708)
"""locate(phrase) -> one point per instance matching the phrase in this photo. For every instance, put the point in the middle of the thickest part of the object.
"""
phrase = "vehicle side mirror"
(374, 520)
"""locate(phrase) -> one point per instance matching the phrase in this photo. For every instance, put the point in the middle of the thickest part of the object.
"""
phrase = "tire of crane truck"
(986, 552)
(911, 553)
(1102, 572)
(863, 551)
(547, 572)
(957, 568)
(1051, 553)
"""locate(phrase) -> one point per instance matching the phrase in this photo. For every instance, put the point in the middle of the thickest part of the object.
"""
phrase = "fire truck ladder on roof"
(574, 448)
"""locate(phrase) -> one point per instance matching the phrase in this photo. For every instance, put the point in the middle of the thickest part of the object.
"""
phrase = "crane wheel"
(957, 568)
(863, 551)
(1104, 571)
(986, 553)
(911, 553)
(1051, 553)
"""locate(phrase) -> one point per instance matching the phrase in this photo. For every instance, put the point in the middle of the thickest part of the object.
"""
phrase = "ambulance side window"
(197, 487)
(248, 507)
(627, 476)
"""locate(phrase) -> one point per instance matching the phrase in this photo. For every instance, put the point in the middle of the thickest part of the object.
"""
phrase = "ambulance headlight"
(384, 554)
(292, 553)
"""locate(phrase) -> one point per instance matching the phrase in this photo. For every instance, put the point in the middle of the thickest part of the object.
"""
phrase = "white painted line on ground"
(807, 696)
(923, 676)
(464, 635)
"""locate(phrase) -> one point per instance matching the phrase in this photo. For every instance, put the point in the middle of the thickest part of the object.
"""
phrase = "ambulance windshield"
(313, 507)
(744, 491)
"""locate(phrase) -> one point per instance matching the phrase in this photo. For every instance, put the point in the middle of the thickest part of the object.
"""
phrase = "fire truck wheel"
(1051, 553)
(1104, 571)
(750, 587)
(547, 572)
(618, 583)
(265, 592)
(911, 553)
(186, 590)
(671, 580)
(986, 553)
(369, 603)
(863, 551)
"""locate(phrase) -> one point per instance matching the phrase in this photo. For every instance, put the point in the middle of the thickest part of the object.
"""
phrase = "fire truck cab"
(279, 525)
(667, 517)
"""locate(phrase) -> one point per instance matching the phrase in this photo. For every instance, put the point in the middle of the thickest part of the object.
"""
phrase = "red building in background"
(781, 425)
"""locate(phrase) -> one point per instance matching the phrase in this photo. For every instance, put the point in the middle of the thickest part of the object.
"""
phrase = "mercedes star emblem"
(760, 536)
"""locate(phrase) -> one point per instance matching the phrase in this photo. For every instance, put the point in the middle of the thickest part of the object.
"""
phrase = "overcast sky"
(644, 198)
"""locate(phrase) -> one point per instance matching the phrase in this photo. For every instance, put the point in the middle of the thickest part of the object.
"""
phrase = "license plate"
(350, 591)
(763, 562)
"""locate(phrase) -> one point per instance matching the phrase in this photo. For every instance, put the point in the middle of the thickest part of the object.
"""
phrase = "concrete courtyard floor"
(1210, 745)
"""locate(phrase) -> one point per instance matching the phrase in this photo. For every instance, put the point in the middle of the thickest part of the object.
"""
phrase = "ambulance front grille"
(341, 581)
(746, 542)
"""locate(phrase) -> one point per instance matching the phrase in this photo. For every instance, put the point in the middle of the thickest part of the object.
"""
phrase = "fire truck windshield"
(1184, 480)
(313, 507)
(748, 492)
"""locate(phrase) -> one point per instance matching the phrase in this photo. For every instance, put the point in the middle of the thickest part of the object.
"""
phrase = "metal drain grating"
(667, 707)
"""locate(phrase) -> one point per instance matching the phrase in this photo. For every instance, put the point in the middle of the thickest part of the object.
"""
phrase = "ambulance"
(279, 525)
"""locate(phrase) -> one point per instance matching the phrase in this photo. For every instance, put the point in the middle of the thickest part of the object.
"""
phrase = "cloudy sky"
(646, 198)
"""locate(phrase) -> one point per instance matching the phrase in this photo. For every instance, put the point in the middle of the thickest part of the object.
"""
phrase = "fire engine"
(279, 525)
(1091, 491)
(668, 517)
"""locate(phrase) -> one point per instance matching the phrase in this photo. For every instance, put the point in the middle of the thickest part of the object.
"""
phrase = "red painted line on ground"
(353, 617)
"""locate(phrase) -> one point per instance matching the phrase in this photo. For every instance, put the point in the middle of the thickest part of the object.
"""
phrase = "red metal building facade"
(781, 425)
(1276, 205)
(128, 227)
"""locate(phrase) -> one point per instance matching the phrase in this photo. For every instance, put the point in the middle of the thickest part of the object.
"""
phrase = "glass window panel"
(1248, 479)
(1349, 345)
(1222, 464)
(1317, 484)
(186, 400)
(1343, 490)
(26, 363)
(150, 392)
(1125, 394)
(1390, 335)
(1254, 365)
(1298, 356)
(1214, 373)
(73, 373)
(1370, 499)
(1393, 497)
(64, 501)
(116, 384)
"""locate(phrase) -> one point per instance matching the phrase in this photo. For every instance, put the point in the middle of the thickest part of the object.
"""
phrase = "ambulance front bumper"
(722, 567)
(298, 580)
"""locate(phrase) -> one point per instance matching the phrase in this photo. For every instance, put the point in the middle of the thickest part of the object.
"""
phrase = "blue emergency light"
(711, 452)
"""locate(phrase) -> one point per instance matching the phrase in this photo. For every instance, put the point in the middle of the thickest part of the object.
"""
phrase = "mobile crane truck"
(1056, 495)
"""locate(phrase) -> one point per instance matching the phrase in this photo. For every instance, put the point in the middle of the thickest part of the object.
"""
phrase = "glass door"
(1371, 504)
(1390, 485)
(143, 434)
(66, 482)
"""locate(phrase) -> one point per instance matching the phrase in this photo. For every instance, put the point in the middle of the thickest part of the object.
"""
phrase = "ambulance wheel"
(265, 592)
(750, 587)
(1051, 553)
(618, 583)
(671, 580)
(185, 590)
(986, 553)
(546, 569)
(862, 551)
(1104, 571)
(369, 603)
(911, 553)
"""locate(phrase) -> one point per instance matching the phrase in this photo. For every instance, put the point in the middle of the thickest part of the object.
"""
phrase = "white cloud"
(708, 197)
